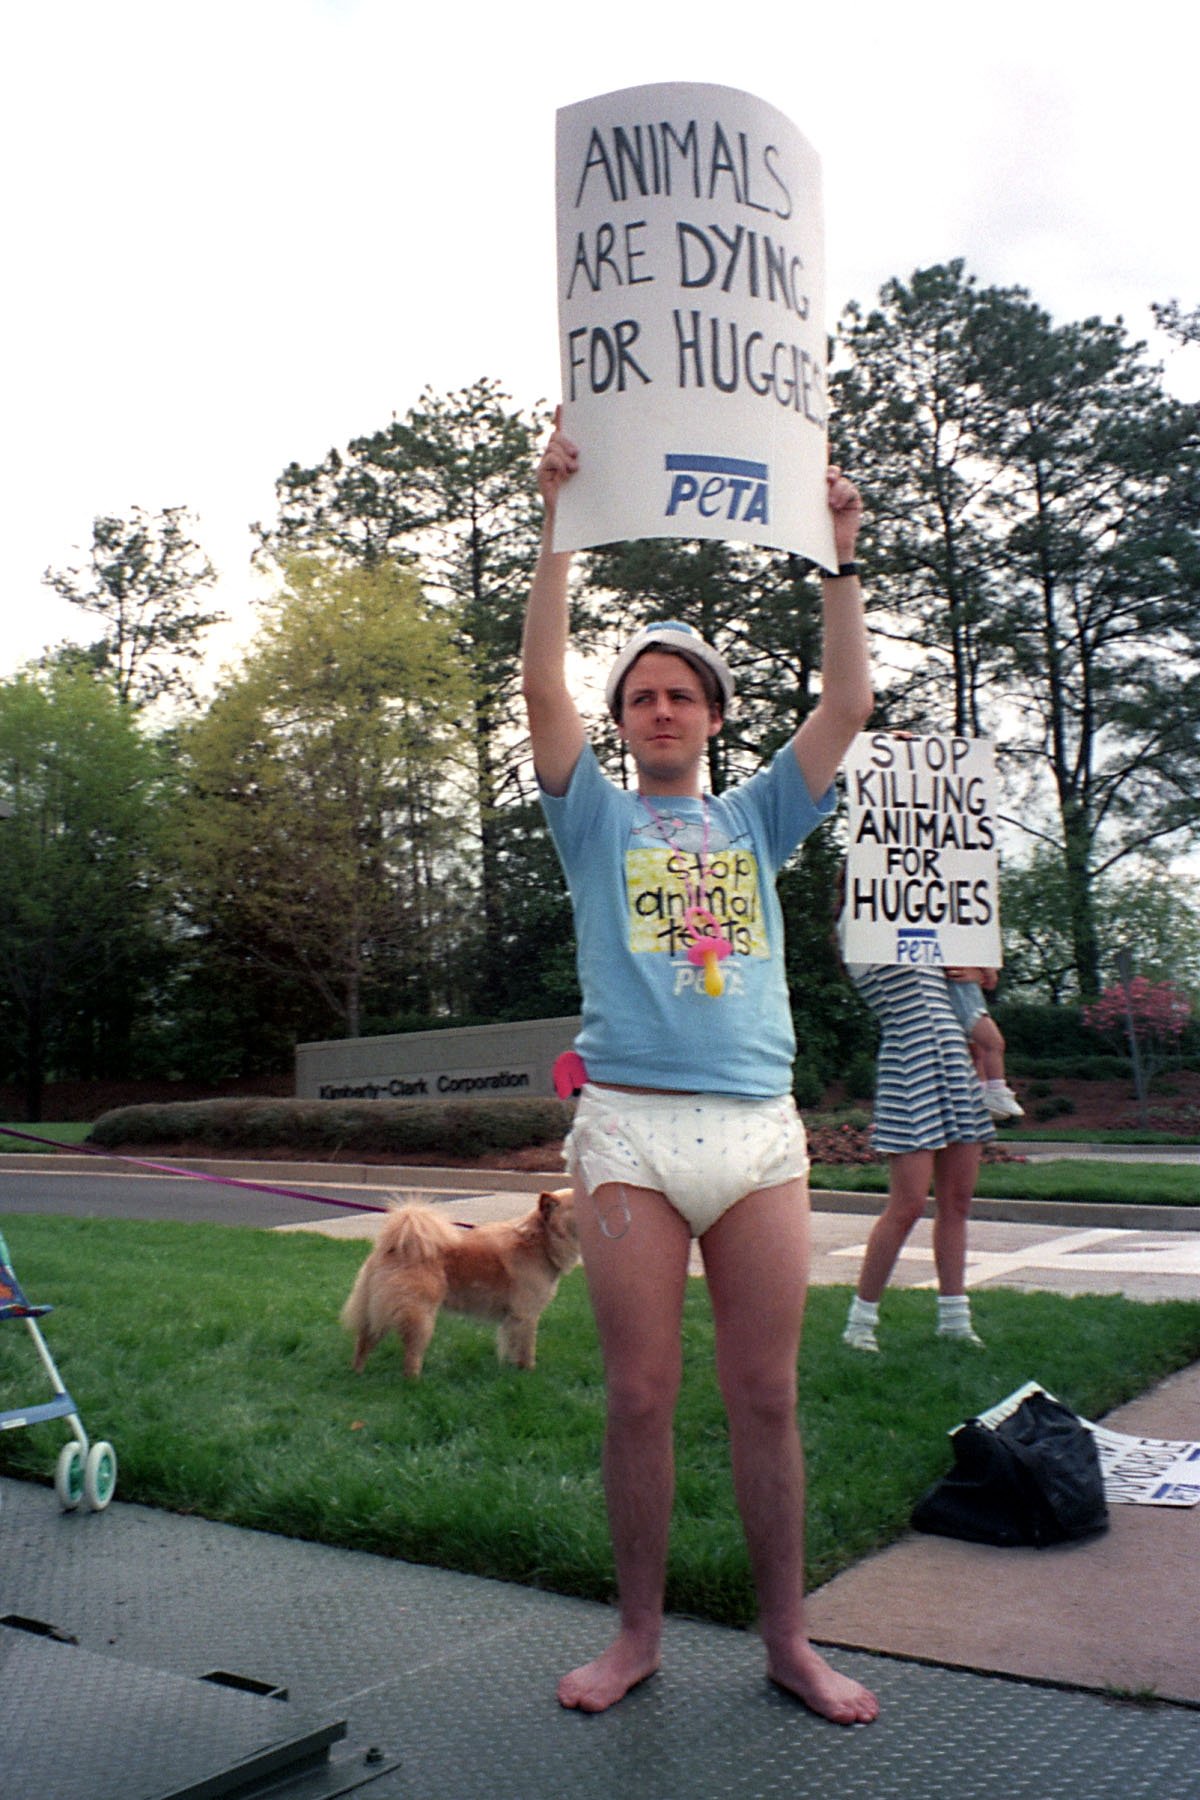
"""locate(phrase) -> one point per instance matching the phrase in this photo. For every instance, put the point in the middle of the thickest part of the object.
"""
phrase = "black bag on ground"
(1033, 1479)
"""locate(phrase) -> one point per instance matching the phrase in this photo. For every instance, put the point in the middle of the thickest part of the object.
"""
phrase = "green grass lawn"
(72, 1131)
(1125, 1184)
(212, 1359)
(1023, 1136)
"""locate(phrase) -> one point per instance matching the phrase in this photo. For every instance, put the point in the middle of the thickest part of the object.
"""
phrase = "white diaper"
(703, 1151)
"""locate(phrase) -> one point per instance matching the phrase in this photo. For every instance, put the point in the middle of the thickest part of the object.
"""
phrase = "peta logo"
(718, 487)
(917, 944)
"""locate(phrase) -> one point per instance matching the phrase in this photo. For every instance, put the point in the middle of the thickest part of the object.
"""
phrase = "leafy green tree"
(535, 976)
(448, 490)
(1154, 916)
(1036, 493)
(81, 906)
(143, 579)
(1150, 913)
(1039, 955)
(911, 416)
(317, 837)
(1101, 582)
(1170, 317)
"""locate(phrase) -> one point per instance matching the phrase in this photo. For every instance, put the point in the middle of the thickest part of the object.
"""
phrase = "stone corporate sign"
(482, 1062)
(691, 321)
(921, 871)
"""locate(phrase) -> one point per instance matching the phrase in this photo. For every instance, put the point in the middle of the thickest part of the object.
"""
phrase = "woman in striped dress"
(931, 1123)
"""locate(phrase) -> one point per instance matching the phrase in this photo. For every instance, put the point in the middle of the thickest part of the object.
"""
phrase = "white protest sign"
(691, 321)
(1147, 1471)
(921, 870)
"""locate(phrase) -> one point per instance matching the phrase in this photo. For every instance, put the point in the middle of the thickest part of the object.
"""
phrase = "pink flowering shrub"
(1148, 1021)
(1159, 1011)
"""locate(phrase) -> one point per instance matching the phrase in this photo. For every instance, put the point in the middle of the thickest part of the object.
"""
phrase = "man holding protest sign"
(686, 1127)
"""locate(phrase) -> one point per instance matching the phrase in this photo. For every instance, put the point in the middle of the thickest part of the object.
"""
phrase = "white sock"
(953, 1313)
(863, 1312)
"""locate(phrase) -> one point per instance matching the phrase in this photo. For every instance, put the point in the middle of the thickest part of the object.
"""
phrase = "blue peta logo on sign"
(718, 487)
(918, 945)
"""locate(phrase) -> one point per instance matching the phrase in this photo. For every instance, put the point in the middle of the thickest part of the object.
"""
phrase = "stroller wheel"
(68, 1476)
(100, 1476)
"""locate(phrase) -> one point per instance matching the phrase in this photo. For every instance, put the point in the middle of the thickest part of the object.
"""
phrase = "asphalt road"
(121, 1195)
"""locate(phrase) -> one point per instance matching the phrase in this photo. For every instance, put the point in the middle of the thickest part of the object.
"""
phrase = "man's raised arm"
(847, 699)
(555, 728)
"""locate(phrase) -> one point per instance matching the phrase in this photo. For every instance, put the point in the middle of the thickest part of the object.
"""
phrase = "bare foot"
(597, 1685)
(802, 1672)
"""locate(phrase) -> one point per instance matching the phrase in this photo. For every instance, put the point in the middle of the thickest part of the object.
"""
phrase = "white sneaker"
(861, 1337)
(1001, 1102)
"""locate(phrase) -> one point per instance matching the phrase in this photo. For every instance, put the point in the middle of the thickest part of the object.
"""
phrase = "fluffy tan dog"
(422, 1261)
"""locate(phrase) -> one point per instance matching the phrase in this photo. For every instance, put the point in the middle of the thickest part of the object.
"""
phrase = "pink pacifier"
(709, 947)
(569, 1074)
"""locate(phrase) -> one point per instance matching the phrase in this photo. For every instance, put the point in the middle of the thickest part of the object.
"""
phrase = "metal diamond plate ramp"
(78, 1726)
(452, 1678)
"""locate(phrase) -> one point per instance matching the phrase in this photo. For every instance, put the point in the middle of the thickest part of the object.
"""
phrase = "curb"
(1034, 1212)
(287, 1174)
(324, 1174)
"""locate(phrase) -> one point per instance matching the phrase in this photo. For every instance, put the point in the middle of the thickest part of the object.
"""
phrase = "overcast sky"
(238, 234)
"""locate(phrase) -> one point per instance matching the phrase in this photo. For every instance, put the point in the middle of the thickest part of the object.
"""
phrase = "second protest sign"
(922, 867)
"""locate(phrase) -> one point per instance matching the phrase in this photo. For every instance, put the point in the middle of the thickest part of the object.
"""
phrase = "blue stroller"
(84, 1471)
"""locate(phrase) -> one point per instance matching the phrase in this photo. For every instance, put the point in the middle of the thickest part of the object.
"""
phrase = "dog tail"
(353, 1316)
(414, 1234)
(411, 1235)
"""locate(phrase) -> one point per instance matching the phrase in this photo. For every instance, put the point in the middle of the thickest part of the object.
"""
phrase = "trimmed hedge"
(466, 1128)
(1069, 1068)
(452, 1127)
(1056, 1037)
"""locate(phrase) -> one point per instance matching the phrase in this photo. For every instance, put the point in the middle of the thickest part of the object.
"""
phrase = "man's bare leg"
(756, 1259)
(637, 1274)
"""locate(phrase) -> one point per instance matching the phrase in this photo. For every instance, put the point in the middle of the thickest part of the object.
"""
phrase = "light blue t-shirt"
(647, 1021)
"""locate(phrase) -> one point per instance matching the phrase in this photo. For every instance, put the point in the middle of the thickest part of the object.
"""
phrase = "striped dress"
(926, 1091)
